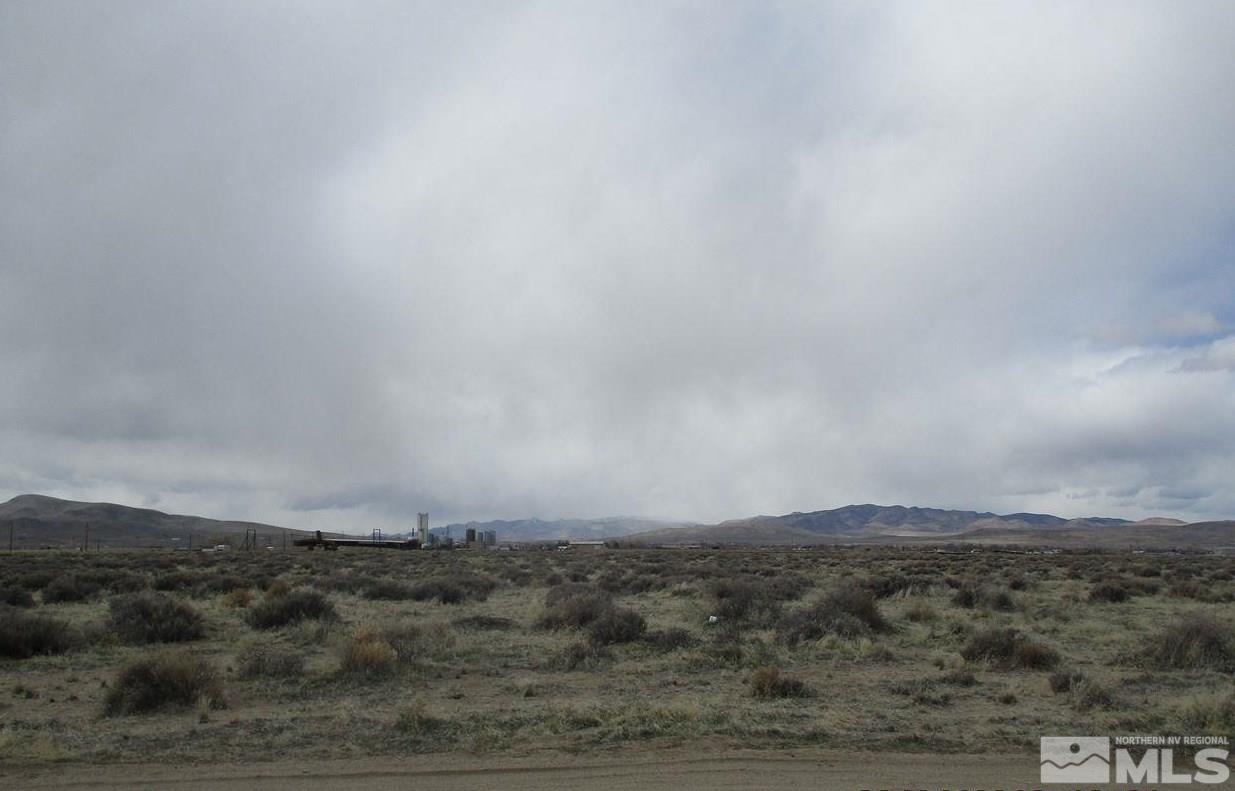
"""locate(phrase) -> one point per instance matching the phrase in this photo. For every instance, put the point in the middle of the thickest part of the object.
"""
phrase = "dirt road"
(782, 771)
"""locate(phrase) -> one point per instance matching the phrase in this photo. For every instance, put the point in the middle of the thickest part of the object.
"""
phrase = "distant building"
(422, 529)
(585, 546)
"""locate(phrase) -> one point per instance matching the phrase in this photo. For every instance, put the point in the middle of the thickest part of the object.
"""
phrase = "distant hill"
(855, 521)
(910, 525)
(39, 521)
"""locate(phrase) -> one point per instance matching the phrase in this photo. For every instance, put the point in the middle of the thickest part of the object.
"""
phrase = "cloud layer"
(332, 264)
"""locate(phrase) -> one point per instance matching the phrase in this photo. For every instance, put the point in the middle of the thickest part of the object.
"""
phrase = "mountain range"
(880, 524)
(37, 520)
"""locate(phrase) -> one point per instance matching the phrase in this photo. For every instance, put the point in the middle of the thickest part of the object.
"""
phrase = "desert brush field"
(235, 657)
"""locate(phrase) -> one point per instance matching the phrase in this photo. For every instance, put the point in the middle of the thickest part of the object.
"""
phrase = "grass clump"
(415, 721)
(1083, 691)
(959, 677)
(265, 660)
(24, 634)
(581, 655)
(1007, 648)
(1065, 680)
(768, 682)
(921, 612)
(292, 607)
(151, 617)
(922, 692)
(1195, 641)
(1210, 716)
(163, 681)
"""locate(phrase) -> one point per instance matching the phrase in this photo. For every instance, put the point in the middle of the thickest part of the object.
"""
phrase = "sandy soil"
(783, 771)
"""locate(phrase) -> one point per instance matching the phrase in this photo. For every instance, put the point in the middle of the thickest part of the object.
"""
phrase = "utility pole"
(85, 544)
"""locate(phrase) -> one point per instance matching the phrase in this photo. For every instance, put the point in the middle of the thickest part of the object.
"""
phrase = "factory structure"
(441, 536)
(423, 537)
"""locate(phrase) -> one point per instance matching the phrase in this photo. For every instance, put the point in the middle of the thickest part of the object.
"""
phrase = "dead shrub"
(1195, 641)
(971, 594)
(485, 622)
(152, 617)
(238, 599)
(291, 607)
(16, 597)
(669, 639)
(25, 634)
(388, 590)
(617, 625)
(1110, 592)
(745, 598)
(455, 589)
(368, 654)
(846, 612)
(574, 606)
(70, 588)
(172, 680)
(1008, 648)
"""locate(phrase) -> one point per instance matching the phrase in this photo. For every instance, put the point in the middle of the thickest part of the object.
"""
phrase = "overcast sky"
(330, 264)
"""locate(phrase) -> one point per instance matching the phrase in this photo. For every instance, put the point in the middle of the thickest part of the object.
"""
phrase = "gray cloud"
(332, 264)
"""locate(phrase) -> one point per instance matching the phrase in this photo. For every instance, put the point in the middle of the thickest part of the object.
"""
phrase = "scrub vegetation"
(177, 656)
